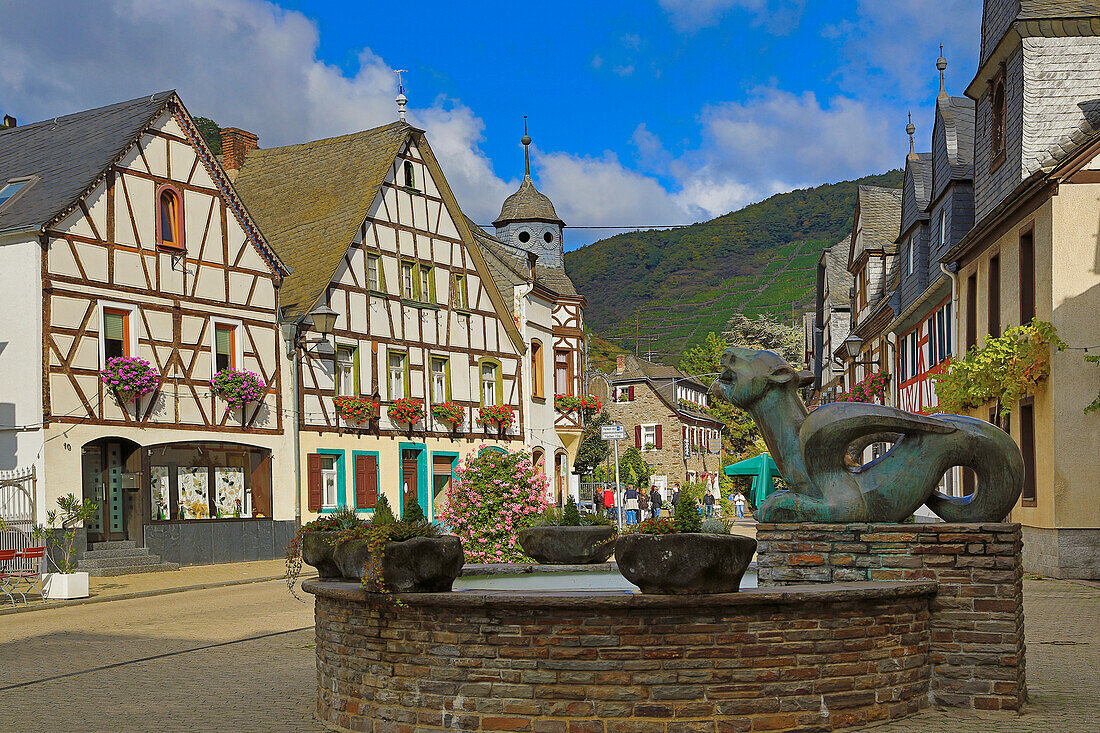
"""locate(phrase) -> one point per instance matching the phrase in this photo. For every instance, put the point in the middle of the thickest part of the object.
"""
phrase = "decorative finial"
(401, 100)
(526, 140)
(910, 129)
(941, 64)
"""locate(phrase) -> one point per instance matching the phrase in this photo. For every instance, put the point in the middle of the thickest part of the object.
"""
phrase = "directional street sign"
(612, 432)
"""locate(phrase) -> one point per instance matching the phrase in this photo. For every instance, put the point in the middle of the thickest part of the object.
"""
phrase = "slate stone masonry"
(977, 653)
(793, 659)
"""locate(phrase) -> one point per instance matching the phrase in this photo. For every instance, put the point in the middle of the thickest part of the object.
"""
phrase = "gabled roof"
(527, 204)
(919, 171)
(836, 273)
(68, 155)
(878, 213)
(310, 199)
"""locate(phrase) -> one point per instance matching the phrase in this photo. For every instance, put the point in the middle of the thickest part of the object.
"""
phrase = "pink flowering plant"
(871, 388)
(130, 377)
(492, 496)
(238, 387)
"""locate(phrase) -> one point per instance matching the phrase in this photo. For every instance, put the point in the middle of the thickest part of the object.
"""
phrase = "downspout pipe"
(952, 271)
(290, 334)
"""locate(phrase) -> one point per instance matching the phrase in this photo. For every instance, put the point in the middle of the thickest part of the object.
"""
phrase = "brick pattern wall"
(648, 409)
(977, 651)
(819, 659)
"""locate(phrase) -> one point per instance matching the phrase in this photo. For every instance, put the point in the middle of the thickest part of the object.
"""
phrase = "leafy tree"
(211, 133)
(763, 332)
(633, 470)
(593, 450)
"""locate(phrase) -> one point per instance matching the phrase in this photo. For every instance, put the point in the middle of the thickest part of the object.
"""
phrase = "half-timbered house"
(120, 236)
(377, 244)
(832, 320)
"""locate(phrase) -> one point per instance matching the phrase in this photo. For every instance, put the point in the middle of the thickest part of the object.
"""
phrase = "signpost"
(615, 433)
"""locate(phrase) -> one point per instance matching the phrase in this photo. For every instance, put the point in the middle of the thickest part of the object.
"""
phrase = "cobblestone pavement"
(1062, 632)
(241, 659)
(223, 659)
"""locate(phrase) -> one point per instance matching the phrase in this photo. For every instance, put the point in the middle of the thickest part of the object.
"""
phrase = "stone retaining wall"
(797, 659)
(977, 651)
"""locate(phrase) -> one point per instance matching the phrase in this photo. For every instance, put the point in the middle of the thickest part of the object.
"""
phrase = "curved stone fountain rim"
(827, 594)
(525, 568)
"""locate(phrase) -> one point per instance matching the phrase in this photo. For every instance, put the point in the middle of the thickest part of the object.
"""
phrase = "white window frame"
(238, 342)
(409, 280)
(336, 371)
(390, 373)
(943, 226)
(491, 381)
(432, 359)
(326, 475)
(377, 260)
(648, 427)
(132, 336)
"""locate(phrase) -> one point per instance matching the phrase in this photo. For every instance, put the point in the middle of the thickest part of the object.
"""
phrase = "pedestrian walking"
(655, 502)
(675, 495)
(609, 505)
(739, 504)
(708, 504)
(630, 505)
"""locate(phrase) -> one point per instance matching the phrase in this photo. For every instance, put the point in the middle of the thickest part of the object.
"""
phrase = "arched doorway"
(111, 477)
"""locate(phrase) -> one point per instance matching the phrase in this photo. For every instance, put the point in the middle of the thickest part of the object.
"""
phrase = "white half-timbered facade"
(372, 231)
(129, 241)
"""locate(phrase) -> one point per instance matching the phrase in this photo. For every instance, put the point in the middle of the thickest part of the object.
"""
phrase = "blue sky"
(644, 112)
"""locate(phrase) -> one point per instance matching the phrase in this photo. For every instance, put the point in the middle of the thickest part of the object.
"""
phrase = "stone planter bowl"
(418, 565)
(690, 563)
(555, 545)
(316, 549)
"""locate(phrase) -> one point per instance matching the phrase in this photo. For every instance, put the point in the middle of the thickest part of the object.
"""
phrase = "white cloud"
(775, 16)
(244, 63)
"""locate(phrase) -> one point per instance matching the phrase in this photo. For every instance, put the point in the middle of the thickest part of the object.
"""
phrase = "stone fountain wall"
(977, 651)
(794, 659)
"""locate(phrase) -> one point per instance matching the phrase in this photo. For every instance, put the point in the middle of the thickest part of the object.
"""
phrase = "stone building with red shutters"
(663, 412)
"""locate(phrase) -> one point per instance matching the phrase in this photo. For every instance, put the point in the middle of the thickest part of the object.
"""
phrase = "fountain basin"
(795, 658)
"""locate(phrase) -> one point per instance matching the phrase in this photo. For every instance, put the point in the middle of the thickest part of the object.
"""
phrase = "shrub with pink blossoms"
(491, 495)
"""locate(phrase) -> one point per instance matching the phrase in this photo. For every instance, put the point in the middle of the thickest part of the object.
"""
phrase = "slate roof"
(512, 261)
(836, 272)
(68, 155)
(310, 199)
(958, 123)
(1051, 9)
(880, 217)
(921, 168)
(527, 204)
(661, 378)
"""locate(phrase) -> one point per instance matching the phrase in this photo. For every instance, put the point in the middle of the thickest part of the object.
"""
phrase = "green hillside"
(666, 289)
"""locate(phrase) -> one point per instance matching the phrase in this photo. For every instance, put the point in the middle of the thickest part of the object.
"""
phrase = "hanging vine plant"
(1005, 369)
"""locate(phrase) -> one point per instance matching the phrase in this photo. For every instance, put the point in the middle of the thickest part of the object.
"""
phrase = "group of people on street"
(641, 505)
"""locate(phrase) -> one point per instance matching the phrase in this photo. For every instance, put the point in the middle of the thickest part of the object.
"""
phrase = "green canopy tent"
(762, 469)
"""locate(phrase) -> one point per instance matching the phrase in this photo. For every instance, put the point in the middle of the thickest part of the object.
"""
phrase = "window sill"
(1029, 503)
(171, 249)
(411, 189)
(539, 399)
(420, 304)
(378, 293)
(463, 311)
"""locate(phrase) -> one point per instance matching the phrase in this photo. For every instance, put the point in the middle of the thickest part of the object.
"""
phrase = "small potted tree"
(683, 554)
(67, 582)
(568, 536)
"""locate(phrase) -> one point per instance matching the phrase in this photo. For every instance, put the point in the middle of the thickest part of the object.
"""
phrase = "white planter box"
(60, 586)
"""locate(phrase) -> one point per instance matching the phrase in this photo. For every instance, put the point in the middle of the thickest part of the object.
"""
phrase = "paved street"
(241, 659)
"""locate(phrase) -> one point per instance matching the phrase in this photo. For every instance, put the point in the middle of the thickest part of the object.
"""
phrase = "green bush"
(687, 515)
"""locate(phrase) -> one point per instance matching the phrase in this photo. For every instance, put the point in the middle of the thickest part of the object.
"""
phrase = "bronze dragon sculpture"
(810, 448)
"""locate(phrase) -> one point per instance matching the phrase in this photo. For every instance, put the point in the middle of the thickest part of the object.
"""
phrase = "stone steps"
(121, 557)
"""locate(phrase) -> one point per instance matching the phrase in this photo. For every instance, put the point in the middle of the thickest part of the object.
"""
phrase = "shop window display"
(201, 481)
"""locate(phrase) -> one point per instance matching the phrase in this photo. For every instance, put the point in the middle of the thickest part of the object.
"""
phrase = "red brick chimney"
(236, 144)
(620, 364)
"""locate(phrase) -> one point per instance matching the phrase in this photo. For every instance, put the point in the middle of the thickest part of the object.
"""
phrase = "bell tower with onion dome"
(528, 220)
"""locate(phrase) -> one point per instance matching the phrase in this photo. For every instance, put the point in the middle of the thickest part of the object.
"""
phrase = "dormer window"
(410, 175)
(169, 218)
(12, 190)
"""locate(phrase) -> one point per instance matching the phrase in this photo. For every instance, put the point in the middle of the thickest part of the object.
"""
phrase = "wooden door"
(410, 478)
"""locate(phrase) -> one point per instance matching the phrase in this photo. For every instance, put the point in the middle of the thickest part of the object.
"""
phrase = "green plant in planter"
(571, 516)
(377, 534)
(342, 519)
(383, 514)
(568, 516)
(413, 513)
(71, 511)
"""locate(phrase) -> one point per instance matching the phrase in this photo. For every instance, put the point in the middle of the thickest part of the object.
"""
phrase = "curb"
(143, 594)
